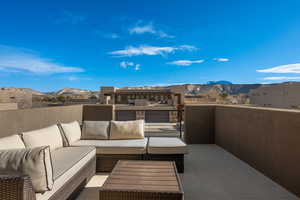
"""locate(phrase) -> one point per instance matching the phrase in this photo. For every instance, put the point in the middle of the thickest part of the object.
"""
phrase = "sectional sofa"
(57, 161)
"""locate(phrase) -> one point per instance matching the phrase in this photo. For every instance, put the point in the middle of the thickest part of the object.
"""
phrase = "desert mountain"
(73, 91)
(23, 90)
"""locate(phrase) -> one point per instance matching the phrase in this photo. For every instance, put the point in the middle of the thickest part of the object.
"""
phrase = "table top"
(148, 176)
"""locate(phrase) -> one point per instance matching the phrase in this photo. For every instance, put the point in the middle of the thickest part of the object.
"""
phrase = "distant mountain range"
(65, 91)
(74, 91)
(216, 86)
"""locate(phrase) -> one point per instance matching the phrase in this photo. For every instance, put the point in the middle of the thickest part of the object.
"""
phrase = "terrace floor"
(212, 173)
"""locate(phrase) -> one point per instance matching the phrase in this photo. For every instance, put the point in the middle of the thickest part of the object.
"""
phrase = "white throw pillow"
(11, 142)
(127, 129)
(95, 130)
(34, 162)
(72, 131)
(49, 136)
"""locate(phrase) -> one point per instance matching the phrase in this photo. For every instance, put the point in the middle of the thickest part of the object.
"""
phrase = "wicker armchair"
(16, 187)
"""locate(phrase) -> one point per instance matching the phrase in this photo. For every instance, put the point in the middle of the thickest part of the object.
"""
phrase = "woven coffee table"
(138, 180)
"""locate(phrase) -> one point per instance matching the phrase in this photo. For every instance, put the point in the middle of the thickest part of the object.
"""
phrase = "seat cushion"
(64, 158)
(127, 129)
(133, 146)
(49, 136)
(11, 142)
(166, 145)
(34, 162)
(72, 131)
(95, 130)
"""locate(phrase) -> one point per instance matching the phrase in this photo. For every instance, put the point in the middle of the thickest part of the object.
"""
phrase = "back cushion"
(72, 131)
(11, 142)
(49, 136)
(127, 129)
(34, 162)
(95, 130)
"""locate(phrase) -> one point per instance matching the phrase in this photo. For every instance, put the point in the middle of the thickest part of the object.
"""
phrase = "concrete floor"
(211, 173)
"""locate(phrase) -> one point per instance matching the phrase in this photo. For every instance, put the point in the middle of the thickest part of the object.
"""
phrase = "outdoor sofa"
(57, 161)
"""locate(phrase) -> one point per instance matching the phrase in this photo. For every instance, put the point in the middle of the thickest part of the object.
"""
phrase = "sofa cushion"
(133, 146)
(72, 131)
(95, 130)
(66, 176)
(64, 158)
(49, 136)
(166, 145)
(127, 129)
(11, 142)
(34, 162)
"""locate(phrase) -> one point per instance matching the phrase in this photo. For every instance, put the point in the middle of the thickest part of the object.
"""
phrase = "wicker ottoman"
(138, 180)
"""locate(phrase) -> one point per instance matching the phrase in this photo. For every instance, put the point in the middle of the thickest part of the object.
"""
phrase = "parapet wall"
(98, 112)
(199, 124)
(267, 139)
(15, 121)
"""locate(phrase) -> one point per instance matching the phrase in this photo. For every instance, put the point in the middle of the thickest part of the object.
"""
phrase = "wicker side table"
(138, 180)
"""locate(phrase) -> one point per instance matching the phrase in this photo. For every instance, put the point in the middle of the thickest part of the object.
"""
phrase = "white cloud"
(150, 29)
(74, 78)
(126, 64)
(187, 47)
(18, 60)
(137, 67)
(290, 68)
(221, 59)
(185, 62)
(142, 29)
(150, 50)
(281, 78)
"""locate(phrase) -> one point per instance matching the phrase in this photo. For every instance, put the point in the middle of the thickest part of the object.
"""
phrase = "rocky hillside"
(231, 89)
(23, 90)
(73, 91)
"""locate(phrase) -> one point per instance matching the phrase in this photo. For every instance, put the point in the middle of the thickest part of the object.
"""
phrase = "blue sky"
(49, 45)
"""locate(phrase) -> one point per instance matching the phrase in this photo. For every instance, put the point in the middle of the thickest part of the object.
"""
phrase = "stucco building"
(22, 98)
(286, 95)
(150, 95)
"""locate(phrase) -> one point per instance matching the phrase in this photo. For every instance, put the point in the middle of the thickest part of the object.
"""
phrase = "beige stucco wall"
(277, 96)
(8, 106)
(16, 121)
(98, 112)
(19, 96)
(199, 124)
(267, 139)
